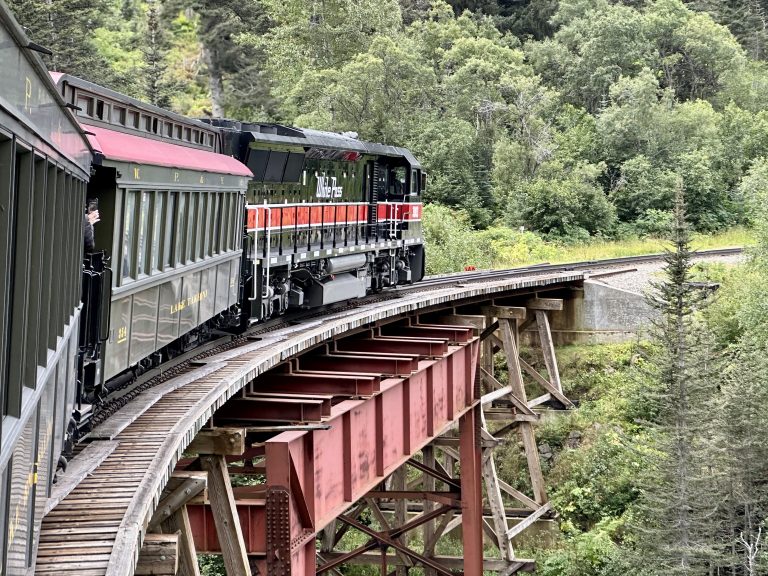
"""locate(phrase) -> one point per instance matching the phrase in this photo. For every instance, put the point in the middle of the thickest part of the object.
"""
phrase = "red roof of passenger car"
(129, 148)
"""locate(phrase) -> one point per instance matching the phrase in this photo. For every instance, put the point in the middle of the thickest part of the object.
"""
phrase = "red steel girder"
(267, 409)
(390, 365)
(420, 346)
(325, 470)
(334, 383)
(471, 492)
(324, 399)
(451, 333)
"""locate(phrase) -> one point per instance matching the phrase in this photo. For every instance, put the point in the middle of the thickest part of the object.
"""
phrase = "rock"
(574, 439)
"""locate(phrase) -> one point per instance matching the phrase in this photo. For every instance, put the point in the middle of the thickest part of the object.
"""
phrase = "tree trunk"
(215, 83)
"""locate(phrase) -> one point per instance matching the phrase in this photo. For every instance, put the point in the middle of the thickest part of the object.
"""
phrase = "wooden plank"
(495, 501)
(179, 522)
(506, 312)
(520, 526)
(225, 516)
(501, 415)
(544, 304)
(428, 484)
(399, 482)
(517, 495)
(539, 400)
(495, 395)
(159, 555)
(473, 320)
(128, 414)
(80, 466)
(546, 384)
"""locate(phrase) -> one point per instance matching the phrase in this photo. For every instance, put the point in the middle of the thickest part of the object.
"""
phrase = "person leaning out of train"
(90, 217)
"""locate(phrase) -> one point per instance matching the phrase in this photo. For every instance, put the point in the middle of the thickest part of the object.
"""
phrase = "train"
(130, 235)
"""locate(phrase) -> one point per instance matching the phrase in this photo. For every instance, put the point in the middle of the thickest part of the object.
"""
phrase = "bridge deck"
(98, 528)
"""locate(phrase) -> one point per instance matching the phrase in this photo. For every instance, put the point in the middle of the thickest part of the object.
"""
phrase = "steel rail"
(547, 268)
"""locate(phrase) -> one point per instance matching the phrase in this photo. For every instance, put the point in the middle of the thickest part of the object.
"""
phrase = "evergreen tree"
(746, 19)
(157, 88)
(742, 417)
(239, 85)
(678, 499)
(62, 27)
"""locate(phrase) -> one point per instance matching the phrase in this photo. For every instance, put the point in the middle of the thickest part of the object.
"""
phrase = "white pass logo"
(327, 188)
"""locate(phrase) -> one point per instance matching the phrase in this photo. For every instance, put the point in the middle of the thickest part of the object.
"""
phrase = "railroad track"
(186, 362)
(547, 268)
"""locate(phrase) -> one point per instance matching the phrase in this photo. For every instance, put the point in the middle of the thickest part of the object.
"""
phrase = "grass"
(597, 250)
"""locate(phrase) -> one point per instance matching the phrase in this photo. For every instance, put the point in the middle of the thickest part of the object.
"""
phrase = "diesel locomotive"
(328, 217)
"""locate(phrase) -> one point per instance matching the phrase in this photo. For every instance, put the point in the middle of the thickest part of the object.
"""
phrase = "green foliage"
(574, 207)
(598, 480)
(586, 554)
(450, 243)
(572, 118)
(211, 565)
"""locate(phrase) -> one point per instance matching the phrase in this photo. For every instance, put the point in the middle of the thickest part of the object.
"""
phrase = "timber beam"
(219, 441)
(188, 485)
(544, 304)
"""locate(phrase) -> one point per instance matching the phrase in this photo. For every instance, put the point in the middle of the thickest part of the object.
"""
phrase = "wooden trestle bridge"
(380, 419)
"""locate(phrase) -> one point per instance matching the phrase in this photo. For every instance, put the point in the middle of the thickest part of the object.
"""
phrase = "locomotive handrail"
(267, 243)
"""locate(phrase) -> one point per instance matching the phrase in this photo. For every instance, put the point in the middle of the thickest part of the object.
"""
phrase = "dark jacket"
(88, 241)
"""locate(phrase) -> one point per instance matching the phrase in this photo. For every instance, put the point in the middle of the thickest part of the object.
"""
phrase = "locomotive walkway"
(106, 505)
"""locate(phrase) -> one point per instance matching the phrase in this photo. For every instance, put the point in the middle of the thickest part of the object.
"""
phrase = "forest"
(542, 124)
(571, 118)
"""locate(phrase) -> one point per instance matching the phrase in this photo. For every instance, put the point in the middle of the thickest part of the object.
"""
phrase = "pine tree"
(742, 417)
(746, 19)
(156, 88)
(61, 27)
(678, 499)
(239, 86)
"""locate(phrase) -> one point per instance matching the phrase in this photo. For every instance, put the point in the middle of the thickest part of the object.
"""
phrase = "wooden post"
(328, 541)
(486, 351)
(548, 348)
(495, 501)
(401, 508)
(179, 523)
(159, 555)
(221, 441)
(508, 329)
(190, 484)
(225, 516)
